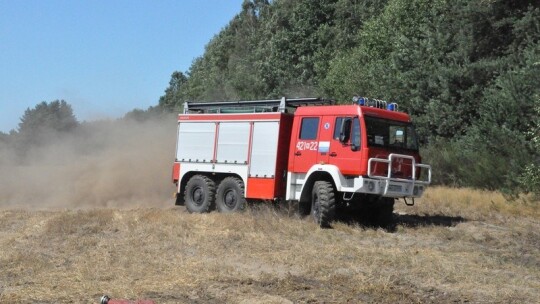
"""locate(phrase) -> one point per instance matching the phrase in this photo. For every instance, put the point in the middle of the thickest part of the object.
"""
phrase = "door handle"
(333, 154)
(298, 153)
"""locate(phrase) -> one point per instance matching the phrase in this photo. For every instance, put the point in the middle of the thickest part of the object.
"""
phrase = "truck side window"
(337, 127)
(355, 134)
(309, 128)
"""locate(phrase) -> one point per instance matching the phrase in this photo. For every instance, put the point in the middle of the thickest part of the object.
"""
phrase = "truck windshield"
(390, 134)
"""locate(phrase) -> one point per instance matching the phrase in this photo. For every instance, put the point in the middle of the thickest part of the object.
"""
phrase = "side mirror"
(345, 131)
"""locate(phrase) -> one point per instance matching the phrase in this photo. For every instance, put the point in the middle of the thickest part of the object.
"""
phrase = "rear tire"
(199, 194)
(230, 195)
(323, 203)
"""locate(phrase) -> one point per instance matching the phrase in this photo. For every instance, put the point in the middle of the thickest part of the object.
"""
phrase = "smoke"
(121, 163)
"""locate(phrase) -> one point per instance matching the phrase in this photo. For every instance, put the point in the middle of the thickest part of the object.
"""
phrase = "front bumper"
(388, 186)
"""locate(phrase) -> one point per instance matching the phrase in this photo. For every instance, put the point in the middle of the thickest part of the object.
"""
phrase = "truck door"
(346, 155)
(306, 144)
(325, 136)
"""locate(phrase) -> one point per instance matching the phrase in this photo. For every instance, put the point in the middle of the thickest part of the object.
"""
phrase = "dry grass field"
(455, 245)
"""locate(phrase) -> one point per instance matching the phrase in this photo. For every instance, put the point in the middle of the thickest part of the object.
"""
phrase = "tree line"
(467, 71)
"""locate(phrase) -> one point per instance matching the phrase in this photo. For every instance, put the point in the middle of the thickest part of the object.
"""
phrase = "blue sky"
(103, 57)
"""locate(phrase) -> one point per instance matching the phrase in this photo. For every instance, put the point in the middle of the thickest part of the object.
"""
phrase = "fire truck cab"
(323, 156)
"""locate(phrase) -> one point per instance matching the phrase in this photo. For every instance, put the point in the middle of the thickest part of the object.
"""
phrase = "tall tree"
(54, 116)
(174, 93)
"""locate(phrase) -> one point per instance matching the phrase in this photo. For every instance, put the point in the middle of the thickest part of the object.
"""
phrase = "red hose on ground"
(107, 300)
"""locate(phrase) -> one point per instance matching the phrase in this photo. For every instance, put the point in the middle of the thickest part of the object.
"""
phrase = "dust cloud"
(121, 164)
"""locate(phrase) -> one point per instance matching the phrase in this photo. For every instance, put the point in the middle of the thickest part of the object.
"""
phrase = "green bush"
(530, 178)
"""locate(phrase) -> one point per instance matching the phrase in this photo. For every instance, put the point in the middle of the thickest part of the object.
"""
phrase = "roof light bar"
(375, 103)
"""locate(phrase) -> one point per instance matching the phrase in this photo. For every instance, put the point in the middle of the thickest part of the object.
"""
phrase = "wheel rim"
(230, 198)
(198, 196)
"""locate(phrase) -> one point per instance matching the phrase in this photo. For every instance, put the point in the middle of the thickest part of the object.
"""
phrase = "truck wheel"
(323, 203)
(199, 194)
(385, 212)
(230, 195)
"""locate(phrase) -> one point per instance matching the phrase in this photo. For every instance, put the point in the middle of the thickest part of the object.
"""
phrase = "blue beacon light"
(392, 106)
(361, 101)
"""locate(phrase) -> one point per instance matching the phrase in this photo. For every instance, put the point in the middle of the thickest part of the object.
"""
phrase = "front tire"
(323, 203)
(199, 194)
(384, 212)
(230, 195)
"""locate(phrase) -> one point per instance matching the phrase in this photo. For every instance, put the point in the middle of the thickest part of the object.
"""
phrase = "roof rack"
(270, 105)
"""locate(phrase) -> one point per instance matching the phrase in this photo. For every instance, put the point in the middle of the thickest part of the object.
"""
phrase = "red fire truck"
(305, 150)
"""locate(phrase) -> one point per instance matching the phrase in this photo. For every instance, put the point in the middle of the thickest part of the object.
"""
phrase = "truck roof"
(352, 110)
